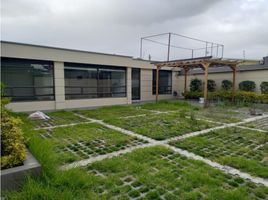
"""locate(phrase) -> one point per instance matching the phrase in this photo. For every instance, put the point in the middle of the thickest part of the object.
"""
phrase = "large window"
(92, 81)
(165, 82)
(27, 80)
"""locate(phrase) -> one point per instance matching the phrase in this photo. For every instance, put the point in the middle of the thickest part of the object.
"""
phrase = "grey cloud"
(115, 26)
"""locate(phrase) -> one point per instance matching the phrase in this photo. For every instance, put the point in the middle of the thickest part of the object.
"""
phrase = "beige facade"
(59, 56)
(256, 76)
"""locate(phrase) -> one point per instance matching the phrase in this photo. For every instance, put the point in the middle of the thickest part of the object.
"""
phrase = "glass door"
(135, 82)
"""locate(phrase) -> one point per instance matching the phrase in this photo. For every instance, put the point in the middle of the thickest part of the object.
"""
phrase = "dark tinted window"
(93, 81)
(27, 80)
(165, 82)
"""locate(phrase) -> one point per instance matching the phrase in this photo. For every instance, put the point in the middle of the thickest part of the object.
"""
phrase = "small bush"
(226, 84)
(248, 86)
(264, 87)
(211, 85)
(13, 151)
(196, 85)
(193, 95)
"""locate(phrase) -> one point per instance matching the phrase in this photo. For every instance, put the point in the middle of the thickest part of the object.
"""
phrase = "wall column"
(59, 85)
(129, 85)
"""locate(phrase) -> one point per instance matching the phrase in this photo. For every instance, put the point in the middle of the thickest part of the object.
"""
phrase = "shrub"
(211, 85)
(193, 95)
(264, 87)
(196, 85)
(13, 151)
(226, 84)
(248, 86)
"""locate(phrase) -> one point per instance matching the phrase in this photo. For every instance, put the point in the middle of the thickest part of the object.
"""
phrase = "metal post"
(222, 51)
(217, 50)
(212, 49)
(206, 49)
(141, 49)
(169, 36)
(192, 53)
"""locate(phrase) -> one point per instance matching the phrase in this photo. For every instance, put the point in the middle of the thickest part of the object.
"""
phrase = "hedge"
(241, 96)
(264, 87)
(226, 84)
(13, 151)
(248, 86)
(196, 85)
(211, 85)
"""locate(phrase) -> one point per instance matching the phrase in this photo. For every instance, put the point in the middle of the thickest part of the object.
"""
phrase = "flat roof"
(65, 49)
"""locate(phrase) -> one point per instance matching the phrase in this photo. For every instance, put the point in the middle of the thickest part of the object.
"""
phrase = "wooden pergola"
(203, 63)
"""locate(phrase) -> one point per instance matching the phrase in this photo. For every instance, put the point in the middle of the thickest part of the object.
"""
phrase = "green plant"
(264, 87)
(226, 84)
(13, 151)
(196, 85)
(193, 95)
(248, 86)
(211, 85)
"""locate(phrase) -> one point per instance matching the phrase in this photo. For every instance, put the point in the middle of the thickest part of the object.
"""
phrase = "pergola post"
(157, 82)
(205, 66)
(234, 82)
(185, 79)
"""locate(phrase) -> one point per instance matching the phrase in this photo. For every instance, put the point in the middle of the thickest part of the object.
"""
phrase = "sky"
(116, 26)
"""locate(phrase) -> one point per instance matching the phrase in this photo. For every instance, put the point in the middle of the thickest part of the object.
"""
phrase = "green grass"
(56, 118)
(86, 140)
(162, 126)
(149, 173)
(111, 112)
(235, 147)
(169, 106)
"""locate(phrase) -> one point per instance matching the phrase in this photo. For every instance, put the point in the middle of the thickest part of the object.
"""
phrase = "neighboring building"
(257, 72)
(48, 78)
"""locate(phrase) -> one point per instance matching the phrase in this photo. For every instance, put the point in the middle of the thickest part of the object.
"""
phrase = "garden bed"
(13, 178)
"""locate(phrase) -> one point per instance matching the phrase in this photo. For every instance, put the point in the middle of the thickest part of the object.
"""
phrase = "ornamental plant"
(248, 86)
(226, 85)
(264, 87)
(196, 85)
(211, 85)
(13, 151)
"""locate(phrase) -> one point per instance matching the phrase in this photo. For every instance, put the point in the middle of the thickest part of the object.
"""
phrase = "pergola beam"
(197, 63)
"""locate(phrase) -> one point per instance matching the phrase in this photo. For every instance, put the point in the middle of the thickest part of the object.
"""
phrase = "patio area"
(164, 150)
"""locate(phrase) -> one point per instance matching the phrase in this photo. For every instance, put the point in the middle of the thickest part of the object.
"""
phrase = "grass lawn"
(150, 173)
(243, 149)
(259, 124)
(162, 126)
(56, 118)
(85, 141)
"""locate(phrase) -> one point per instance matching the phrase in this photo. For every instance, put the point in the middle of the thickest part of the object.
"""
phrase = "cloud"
(115, 26)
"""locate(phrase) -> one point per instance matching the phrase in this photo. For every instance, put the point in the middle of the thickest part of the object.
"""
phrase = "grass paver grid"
(242, 149)
(56, 119)
(86, 141)
(259, 124)
(159, 173)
